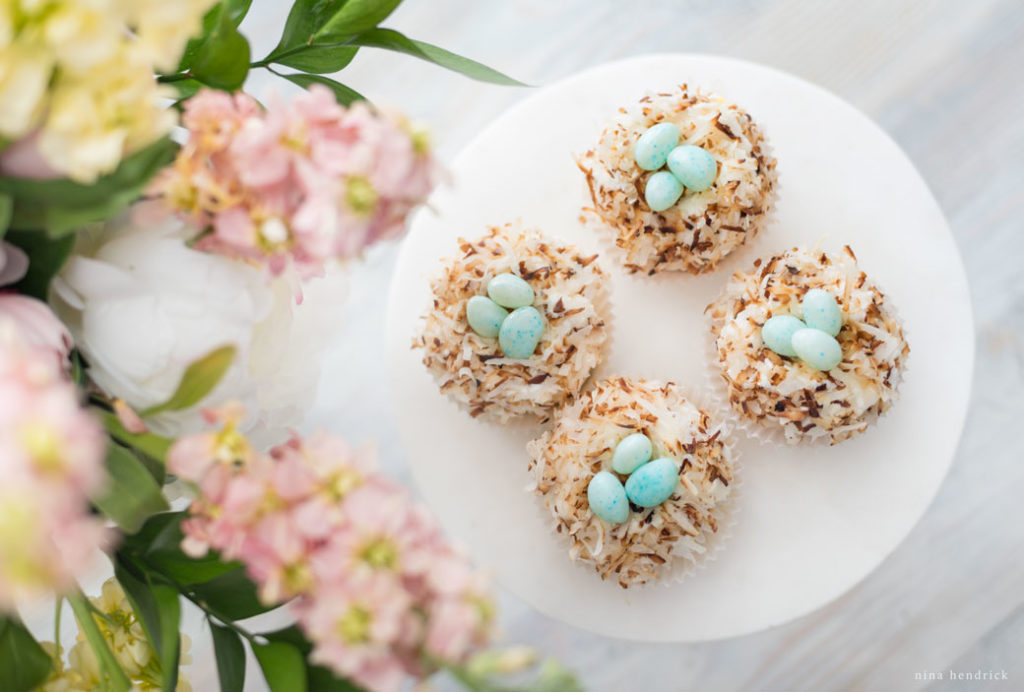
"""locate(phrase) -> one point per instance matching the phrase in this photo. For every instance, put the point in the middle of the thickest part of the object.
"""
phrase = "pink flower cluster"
(51, 458)
(377, 589)
(303, 182)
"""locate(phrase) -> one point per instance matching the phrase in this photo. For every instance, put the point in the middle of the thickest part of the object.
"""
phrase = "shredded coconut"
(702, 228)
(774, 390)
(653, 542)
(570, 292)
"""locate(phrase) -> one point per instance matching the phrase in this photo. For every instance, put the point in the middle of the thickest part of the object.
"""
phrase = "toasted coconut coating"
(570, 292)
(703, 227)
(780, 392)
(657, 543)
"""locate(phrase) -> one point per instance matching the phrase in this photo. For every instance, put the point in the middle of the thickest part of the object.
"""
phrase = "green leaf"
(61, 206)
(153, 446)
(319, 59)
(159, 610)
(133, 580)
(199, 380)
(283, 666)
(353, 17)
(343, 94)
(236, 9)
(303, 19)
(7, 202)
(231, 596)
(47, 256)
(109, 667)
(186, 88)
(222, 61)
(169, 607)
(157, 546)
(153, 532)
(23, 663)
(227, 646)
(323, 680)
(389, 39)
(131, 495)
(319, 678)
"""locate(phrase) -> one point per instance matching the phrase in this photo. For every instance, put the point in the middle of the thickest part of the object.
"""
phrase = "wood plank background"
(943, 78)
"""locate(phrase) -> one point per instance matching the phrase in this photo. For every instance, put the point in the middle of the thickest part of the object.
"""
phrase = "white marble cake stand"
(813, 522)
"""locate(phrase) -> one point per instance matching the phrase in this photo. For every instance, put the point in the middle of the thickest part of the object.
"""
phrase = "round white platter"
(813, 521)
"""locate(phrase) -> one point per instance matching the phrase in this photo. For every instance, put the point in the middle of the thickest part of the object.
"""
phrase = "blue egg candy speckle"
(821, 311)
(777, 334)
(651, 149)
(607, 498)
(510, 291)
(520, 332)
(653, 483)
(485, 316)
(818, 349)
(694, 167)
(662, 191)
(632, 452)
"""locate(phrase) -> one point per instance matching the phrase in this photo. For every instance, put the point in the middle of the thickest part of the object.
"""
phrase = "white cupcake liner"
(681, 567)
(768, 430)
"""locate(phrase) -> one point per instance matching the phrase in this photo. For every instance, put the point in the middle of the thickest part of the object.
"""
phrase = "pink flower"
(13, 264)
(129, 417)
(355, 623)
(297, 185)
(376, 587)
(51, 461)
(453, 629)
(37, 325)
(23, 159)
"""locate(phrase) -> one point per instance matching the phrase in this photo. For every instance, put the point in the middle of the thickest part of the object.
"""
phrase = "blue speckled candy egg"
(653, 146)
(485, 316)
(694, 167)
(777, 334)
(818, 349)
(607, 498)
(662, 191)
(653, 483)
(632, 452)
(821, 311)
(509, 291)
(520, 332)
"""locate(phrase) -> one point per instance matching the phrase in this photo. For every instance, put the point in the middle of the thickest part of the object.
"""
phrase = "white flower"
(142, 306)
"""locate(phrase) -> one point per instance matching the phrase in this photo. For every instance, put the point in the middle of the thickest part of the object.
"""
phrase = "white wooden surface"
(942, 77)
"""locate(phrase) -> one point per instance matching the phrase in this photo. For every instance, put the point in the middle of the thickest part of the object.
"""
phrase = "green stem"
(169, 78)
(297, 49)
(58, 660)
(108, 664)
(211, 612)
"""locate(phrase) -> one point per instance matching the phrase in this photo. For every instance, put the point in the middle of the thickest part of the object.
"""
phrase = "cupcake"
(637, 479)
(683, 179)
(808, 345)
(517, 324)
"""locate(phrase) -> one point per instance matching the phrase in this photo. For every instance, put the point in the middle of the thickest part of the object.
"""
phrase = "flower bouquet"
(169, 275)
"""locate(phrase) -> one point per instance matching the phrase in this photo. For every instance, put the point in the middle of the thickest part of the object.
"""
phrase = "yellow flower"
(64, 679)
(84, 71)
(24, 74)
(79, 34)
(96, 117)
(163, 28)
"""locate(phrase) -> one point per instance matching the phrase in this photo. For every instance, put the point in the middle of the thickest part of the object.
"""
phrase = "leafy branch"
(319, 37)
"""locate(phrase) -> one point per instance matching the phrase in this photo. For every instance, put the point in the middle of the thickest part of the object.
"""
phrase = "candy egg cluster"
(649, 483)
(811, 339)
(518, 331)
(689, 166)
